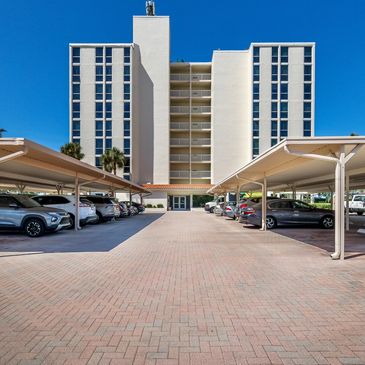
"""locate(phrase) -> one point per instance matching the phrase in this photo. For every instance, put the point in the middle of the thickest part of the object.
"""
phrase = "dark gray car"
(19, 212)
(288, 211)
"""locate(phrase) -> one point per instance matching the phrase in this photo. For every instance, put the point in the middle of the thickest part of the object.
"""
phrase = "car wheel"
(327, 222)
(34, 227)
(360, 213)
(72, 221)
(211, 210)
(271, 222)
(100, 218)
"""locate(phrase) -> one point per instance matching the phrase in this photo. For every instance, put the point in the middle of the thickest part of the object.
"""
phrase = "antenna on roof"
(150, 8)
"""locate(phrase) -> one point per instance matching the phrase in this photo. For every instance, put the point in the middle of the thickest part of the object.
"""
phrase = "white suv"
(87, 210)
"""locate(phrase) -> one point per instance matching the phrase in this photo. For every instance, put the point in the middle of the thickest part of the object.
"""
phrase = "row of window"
(102, 145)
(284, 73)
(284, 54)
(101, 73)
(99, 55)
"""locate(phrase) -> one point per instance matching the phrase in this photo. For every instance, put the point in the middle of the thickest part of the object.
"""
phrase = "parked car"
(140, 207)
(132, 210)
(209, 207)
(244, 207)
(104, 207)
(20, 212)
(230, 210)
(87, 211)
(124, 212)
(219, 209)
(290, 211)
(356, 204)
(117, 208)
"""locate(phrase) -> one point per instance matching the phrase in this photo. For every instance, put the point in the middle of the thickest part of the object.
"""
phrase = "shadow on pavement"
(92, 238)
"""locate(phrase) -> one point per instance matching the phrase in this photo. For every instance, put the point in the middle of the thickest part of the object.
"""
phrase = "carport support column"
(264, 206)
(77, 203)
(347, 202)
(340, 208)
(238, 194)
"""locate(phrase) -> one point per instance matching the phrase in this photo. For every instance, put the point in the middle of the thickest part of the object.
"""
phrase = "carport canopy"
(308, 164)
(24, 163)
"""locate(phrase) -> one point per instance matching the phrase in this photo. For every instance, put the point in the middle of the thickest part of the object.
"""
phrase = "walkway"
(189, 288)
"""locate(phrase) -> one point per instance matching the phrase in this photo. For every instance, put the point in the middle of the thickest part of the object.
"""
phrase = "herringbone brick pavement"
(188, 289)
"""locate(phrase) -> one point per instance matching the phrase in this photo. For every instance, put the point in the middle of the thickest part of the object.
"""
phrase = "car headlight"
(54, 216)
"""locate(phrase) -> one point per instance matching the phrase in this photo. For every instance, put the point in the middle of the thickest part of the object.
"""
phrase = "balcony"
(201, 77)
(180, 77)
(186, 109)
(200, 125)
(180, 109)
(200, 109)
(200, 141)
(200, 174)
(200, 93)
(193, 77)
(179, 158)
(179, 141)
(180, 93)
(188, 94)
(180, 174)
(200, 158)
(181, 126)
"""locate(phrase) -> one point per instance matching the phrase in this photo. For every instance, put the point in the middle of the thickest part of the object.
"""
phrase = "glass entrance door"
(179, 203)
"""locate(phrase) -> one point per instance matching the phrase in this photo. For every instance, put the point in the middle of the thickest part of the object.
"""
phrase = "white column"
(237, 194)
(264, 207)
(347, 202)
(191, 202)
(77, 203)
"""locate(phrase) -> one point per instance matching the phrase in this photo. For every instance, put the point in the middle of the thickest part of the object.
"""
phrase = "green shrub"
(160, 206)
(148, 205)
(322, 205)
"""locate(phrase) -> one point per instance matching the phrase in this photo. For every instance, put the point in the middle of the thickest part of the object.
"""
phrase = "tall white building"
(184, 126)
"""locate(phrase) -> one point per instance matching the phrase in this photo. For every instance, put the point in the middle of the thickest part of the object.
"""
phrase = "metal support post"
(264, 206)
(347, 202)
(77, 203)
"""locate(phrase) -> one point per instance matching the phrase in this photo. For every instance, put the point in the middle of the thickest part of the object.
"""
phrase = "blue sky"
(34, 36)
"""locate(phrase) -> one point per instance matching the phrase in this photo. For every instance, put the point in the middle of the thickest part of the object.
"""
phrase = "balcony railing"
(180, 125)
(180, 109)
(186, 109)
(180, 77)
(180, 174)
(200, 141)
(179, 141)
(200, 174)
(188, 77)
(200, 125)
(200, 109)
(201, 77)
(193, 93)
(179, 158)
(200, 158)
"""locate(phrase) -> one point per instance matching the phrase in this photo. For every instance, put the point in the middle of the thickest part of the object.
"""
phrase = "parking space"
(188, 288)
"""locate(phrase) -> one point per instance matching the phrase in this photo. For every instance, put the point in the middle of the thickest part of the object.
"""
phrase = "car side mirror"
(13, 205)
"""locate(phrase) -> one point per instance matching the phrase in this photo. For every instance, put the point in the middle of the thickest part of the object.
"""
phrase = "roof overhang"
(283, 170)
(23, 162)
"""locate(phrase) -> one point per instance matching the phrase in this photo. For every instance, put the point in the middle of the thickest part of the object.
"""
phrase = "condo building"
(184, 126)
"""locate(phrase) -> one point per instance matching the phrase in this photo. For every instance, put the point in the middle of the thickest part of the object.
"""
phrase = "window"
(256, 91)
(255, 147)
(256, 110)
(75, 55)
(256, 128)
(307, 110)
(274, 54)
(359, 198)
(127, 110)
(274, 73)
(108, 144)
(274, 128)
(127, 146)
(307, 73)
(98, 162)
(108, 91)
(99, 128)
(274, 141)
(98, 110)
(256, 54)
(108, 128)
(76, 128)
(75, 110)
(127, 166)
(284, 128)
(98, 146)
(99, 73)
(307, 91)
(281, 204)
(108, 110)
(108, 55)
(256, 73)
(108, 73)
(76, 73)
(274, 109)
(127, 55)
(284, 91)
(284, 55)
(126, 177)
(127, 128)
(307, 128)
(307, 54)
(284, 72)
(127, 91)
(300, 205)
(76, 91)
(99, 55)
(274, 91)
(284, 109)
(99, 92)
(76, 140)
(127, 73)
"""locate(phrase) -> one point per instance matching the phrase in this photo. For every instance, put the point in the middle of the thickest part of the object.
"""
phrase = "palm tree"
(112, 160)
(353, 134)
(73, 150)
(2, 131)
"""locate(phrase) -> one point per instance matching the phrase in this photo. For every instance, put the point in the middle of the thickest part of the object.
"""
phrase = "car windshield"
(26, 201)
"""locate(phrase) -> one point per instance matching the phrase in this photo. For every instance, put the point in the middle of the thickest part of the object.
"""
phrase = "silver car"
(289, 211)
(19, 212)
(104, 207)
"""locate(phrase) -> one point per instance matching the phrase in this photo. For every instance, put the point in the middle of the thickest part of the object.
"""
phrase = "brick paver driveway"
(187, 289)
